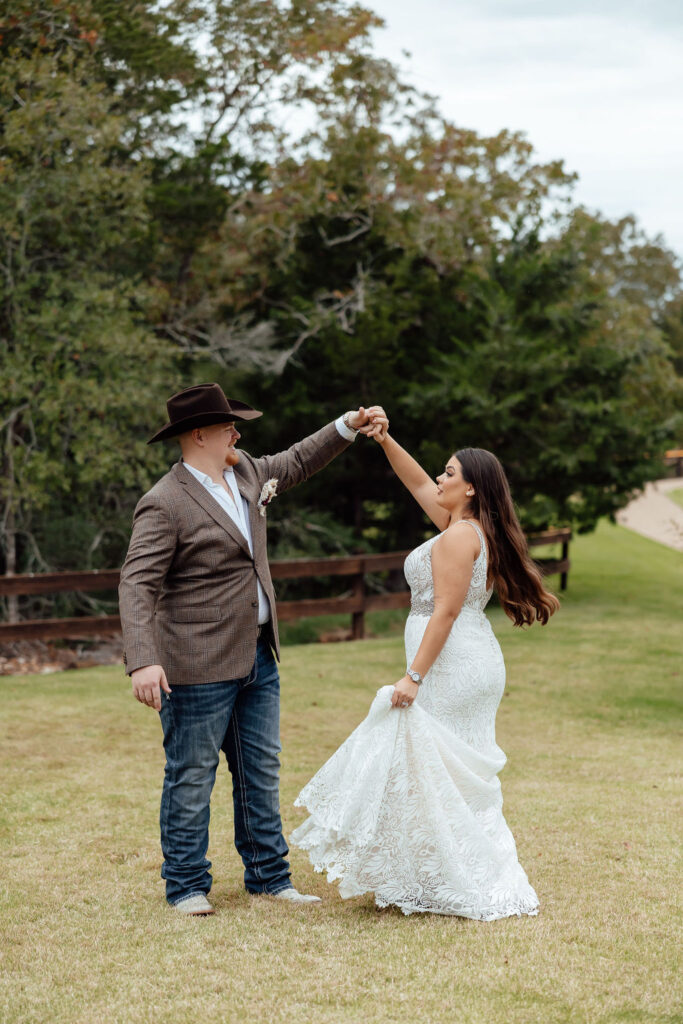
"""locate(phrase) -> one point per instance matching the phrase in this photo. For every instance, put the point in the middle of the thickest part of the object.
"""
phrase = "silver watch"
(415, 676)
(345, 421)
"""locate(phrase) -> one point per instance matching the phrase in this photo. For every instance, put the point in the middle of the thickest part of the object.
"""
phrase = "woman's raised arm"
(409, 472)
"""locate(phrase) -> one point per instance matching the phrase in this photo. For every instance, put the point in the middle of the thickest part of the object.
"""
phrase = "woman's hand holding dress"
(405, 692)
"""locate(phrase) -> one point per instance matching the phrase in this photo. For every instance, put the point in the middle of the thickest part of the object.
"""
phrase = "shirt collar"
(204, 478)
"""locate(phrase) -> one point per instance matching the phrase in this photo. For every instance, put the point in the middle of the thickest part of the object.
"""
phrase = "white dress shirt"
(238, 510)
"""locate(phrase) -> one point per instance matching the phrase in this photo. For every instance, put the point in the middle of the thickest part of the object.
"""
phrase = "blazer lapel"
(253, 517)
(250, 495)
(211, 506)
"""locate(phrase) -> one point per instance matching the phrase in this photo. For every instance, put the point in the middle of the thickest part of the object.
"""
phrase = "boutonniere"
(268, 492)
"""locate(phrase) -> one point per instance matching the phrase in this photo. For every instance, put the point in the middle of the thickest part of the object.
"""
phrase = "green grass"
(589, 724)
(676, 495)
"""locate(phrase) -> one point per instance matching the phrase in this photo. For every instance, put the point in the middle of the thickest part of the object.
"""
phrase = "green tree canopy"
(79, 361)
(244, 191)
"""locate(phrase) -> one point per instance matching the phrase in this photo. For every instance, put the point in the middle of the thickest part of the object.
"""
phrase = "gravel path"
(656, 516)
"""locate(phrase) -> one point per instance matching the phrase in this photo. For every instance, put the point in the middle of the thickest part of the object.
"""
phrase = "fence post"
(358, 618)
(565, 556)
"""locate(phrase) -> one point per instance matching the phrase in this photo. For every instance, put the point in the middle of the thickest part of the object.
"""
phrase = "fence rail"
(355, 604)
(674, 458)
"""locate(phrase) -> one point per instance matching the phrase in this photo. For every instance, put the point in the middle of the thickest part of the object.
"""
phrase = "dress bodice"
(418, 573)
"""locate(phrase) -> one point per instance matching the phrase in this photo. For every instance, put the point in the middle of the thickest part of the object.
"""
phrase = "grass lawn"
(589, 724)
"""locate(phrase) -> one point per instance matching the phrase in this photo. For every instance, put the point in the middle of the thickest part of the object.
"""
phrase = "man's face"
(219, 442)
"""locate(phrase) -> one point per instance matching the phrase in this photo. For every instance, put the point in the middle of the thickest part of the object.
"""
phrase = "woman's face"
(452, 490)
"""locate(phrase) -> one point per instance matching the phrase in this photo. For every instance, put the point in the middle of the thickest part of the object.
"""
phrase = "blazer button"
(254, 604)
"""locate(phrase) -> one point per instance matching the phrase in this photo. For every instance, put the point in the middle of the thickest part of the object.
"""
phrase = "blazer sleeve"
(303, 459)
(150, 554)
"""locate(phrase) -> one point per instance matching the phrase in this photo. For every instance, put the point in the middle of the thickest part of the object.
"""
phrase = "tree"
(535, 375)
(162, 223)
(363, 295)
(672, 330)
(79, 364)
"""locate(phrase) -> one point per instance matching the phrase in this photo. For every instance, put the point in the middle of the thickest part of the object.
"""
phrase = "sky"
(597, 84)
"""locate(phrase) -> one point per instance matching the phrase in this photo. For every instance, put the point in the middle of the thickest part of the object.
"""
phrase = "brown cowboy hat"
(201, 406)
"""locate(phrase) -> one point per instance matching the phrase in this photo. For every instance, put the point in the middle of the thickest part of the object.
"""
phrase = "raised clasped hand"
(405, 692)
(377, 424)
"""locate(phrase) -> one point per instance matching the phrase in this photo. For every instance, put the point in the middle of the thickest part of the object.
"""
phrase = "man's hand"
(356, 420)
(147, 682)
(377, 425)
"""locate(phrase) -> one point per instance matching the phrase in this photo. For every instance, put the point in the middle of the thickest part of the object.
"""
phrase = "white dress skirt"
(410, 806)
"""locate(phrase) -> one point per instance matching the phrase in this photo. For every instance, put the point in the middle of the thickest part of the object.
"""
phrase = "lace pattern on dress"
(418, 573)
(410, 806)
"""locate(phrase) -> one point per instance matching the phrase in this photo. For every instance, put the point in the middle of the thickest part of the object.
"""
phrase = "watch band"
(345, 419)
(415, 676)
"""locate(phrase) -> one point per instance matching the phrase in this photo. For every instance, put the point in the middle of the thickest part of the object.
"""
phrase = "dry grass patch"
(589, 724)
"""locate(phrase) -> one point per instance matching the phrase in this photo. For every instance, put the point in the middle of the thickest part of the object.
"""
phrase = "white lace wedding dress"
(410, 806)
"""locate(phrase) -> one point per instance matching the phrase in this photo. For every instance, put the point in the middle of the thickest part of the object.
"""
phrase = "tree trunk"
(11, 567)
(10, 540)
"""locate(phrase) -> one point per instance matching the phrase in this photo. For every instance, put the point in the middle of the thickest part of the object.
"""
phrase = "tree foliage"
(243, 191)
(79, 362)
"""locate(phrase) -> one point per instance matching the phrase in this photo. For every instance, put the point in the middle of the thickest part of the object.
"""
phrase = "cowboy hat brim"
(239, 411)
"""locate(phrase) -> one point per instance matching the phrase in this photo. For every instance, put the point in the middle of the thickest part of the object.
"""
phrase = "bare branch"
(363, 228)
(13, 416)
(257, 88)
(243, 343)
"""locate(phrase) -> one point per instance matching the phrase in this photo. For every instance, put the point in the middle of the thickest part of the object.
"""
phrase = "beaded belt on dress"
(421, 607)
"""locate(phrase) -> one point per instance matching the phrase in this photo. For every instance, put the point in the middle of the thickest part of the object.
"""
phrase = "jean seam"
(172, 756)
(240, 775)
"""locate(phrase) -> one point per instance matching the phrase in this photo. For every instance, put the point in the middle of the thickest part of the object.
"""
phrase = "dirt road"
(655, 515)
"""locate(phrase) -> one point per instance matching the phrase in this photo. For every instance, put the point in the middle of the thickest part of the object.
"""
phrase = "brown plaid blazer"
(187, 597)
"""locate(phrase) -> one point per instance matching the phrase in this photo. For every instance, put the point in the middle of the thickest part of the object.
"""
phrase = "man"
(199, 629)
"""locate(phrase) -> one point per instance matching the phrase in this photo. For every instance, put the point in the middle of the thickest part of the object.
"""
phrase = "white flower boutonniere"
(268, 492)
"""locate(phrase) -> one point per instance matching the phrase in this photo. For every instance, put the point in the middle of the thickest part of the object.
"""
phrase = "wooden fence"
(357, 603)
(674, 459)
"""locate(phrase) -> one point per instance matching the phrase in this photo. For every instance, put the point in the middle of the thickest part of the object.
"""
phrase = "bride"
(410, 806)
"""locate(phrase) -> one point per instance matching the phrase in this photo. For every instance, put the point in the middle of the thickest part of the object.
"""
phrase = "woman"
(410, 806)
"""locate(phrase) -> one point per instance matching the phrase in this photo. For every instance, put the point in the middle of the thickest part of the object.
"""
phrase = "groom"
(199, 630)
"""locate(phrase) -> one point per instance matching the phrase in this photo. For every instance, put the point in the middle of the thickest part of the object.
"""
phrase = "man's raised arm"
(313, 453)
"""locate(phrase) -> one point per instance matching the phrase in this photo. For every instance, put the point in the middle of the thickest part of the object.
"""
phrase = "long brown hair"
(517, 580)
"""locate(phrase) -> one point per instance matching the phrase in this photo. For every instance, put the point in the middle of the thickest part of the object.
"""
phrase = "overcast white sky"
(598, 84)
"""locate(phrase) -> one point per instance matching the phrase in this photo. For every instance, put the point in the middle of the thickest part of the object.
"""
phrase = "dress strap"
(480, 534)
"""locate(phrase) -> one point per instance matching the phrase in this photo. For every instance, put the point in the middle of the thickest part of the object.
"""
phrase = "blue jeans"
(242, 718)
